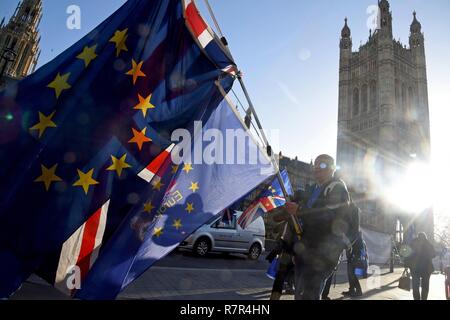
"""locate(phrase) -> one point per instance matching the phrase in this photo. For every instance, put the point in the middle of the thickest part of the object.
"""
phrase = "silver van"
(227, 236)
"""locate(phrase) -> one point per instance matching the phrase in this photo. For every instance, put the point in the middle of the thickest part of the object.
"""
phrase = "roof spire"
(384, 4)
(416, 27)
(346, 33)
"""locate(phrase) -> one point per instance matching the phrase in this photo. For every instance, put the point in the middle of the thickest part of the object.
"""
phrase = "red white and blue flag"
(83, 136)
(269, 199)
(207, 38)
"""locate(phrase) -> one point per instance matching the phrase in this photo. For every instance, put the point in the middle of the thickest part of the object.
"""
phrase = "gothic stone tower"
(383, 121)
(21, 35)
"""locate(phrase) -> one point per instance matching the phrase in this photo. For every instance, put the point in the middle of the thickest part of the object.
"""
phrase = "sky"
(289, 53)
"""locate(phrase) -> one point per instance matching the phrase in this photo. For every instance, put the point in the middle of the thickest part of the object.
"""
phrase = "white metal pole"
(252, 112)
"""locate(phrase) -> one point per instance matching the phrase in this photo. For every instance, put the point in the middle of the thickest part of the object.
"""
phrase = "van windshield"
(226, 223)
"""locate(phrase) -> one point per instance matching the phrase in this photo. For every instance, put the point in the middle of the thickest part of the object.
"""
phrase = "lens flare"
(412, 192)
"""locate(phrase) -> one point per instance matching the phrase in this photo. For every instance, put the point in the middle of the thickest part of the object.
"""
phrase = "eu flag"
(76, 136)
(190, 195)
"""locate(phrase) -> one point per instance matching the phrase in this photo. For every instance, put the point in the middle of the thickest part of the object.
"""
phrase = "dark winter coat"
(420, 260)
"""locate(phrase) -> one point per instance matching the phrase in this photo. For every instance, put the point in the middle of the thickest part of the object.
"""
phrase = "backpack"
(353, 221)
(351, 216)
(359, 255)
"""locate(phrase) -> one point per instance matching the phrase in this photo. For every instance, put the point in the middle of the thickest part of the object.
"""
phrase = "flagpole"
(251, 111)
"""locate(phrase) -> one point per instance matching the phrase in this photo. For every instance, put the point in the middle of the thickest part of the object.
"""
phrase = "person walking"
(356, 259)
(327, 287)
(329, 282)
(421, 265)
(282, 251)
(323, 220)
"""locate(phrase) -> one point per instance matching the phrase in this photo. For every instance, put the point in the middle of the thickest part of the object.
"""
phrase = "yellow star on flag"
(60, 83)
(44, 123)
(175, 169)
(88, 55)
(85, 180)
(48, 176)
(187, 167)
(157, 185)
(190, 207)
(144, 104)
(139, 138)
(194, 186)
(148, 207)
(120, 38)
(177, 224)
(157, 232)
(119, 164)
(136, 71)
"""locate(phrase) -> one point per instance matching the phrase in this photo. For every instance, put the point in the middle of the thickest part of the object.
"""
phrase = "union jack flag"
(269, 199)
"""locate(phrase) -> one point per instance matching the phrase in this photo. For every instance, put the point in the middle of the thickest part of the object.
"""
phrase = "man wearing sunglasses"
(325, 224)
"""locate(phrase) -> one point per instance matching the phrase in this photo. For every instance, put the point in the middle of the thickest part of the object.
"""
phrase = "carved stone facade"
(19, 41)
(383, 119)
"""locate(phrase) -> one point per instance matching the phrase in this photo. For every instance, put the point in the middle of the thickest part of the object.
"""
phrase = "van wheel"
(254, 252)
(202, 247)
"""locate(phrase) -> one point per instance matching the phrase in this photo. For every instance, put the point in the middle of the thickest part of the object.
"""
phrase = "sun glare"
(413, 192)
(423, 186)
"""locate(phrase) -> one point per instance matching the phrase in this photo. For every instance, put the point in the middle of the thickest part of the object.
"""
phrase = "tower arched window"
(364, 98)
(21, 66)
(355, 102)
(26, 15)
(411, 99)
(397, 93)
(13, 43)
(373, 95)
(7, 41)
(404, 98)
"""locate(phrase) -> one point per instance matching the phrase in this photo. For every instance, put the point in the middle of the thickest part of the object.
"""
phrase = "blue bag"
(359, 272)
(273, 269)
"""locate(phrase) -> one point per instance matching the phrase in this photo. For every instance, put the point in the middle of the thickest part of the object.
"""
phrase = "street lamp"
(8, 55)
(397, 238)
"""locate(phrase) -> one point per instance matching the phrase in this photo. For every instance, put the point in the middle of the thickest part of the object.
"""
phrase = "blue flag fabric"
(75, 135)
(264, 199)
(195, 193)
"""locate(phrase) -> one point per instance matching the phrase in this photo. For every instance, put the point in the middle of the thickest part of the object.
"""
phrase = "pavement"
(183, 276)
